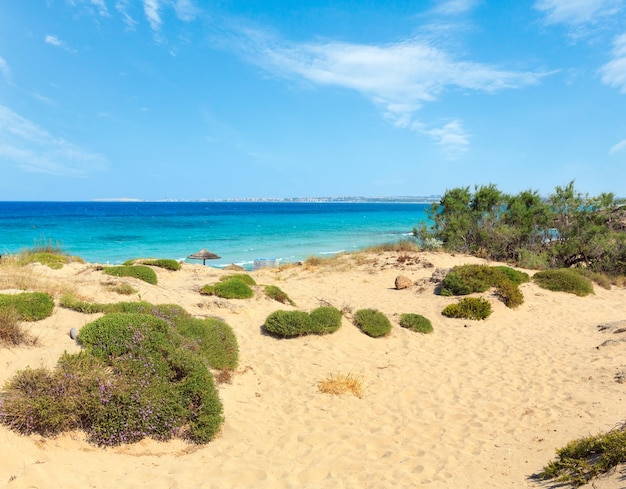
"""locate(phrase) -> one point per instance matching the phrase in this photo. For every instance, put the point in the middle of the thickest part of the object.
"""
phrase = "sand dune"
(473, 405)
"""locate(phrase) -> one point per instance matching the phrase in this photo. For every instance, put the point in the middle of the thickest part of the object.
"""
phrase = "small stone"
(73, 333)
(403, 282)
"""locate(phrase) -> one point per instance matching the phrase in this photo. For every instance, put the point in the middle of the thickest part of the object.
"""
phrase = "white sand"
(473, 405)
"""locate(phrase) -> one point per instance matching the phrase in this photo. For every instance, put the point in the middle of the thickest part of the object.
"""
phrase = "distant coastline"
(360, 200)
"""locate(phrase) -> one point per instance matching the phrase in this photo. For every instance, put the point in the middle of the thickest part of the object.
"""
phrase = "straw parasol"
(204, 255)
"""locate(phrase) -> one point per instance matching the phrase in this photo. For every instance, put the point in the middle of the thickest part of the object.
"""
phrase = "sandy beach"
(475, 404)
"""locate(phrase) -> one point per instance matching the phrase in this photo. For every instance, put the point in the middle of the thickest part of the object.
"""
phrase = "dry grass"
(338, 384)
(14, 275)
(11, 331)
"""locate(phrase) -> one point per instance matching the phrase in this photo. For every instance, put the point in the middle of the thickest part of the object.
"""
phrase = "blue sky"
(191, 99)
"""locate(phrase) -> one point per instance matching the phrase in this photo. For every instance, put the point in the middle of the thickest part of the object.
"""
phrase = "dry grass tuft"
(338, 384)
(12, 332)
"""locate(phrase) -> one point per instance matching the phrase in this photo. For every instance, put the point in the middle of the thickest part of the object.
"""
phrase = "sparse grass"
(564, 280)
(29, 306)
(404, 245)
(123, 289)
(475, 308)
(583, 459)
(140, 272)
(47, 253)
(417, 323)
(276, 293)
(12, 333)
(338, 384)
(372, 322)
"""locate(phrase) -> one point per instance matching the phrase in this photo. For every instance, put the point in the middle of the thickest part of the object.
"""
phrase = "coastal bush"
(475, 308)
(416, 322)
(47, 253)
(325, 320)
(165, 263)
(135, 378)
(372, 322)
(243, 277)
(213, 339)
(140, 272)
(276, 293)
(564, 280)
(12, 333)
(583, 459)
(232, 288)
(515, 276)
(289, 324)
(29, 306)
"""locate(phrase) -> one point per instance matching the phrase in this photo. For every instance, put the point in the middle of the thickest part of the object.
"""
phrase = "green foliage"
(564, 280)
(468, 279)
(416, 322)
(325, 320)
(242, 277)
(141, 272)
(475, 308)
(232, 288)
(275, 293)
(47, 253)
(583, 459)
(289, 324)
(29, 306)
(372, 322)
(136, 378)
(165, 263)
(213, 339)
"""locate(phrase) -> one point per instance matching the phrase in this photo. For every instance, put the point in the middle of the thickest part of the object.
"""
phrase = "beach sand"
(475, 404)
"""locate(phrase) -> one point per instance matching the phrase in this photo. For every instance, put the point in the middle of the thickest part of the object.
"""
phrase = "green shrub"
(325, 320)
(416, 322)
(469, 308)
(582, 460)
(288, 324)
(510, 294)
(513, 275)
(141, 272)
(243, 277)
(564, 280)
(372, 322)
(229, 289)
(213, 339)
(165, 263)
(275, 293)
(29, 306)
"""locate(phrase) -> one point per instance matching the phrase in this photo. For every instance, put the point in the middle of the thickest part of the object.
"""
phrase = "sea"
(242, 233)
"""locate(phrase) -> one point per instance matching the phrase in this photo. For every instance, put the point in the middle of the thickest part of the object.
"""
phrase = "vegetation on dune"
(564, 280)
(565, 230)
(141, 272)
(291, 324)
(165, 263)
(338, 384)
(47, 253)
(232, 288)
(12, 333)
(28, 306)
(277, 294)
(143, 373)
(372, 322)
(475, 308)
(416, 322)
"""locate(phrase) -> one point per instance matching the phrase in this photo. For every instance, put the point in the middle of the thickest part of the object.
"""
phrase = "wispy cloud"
(577, 12)
(34, 150)
(151, 9)
(5, 70)
(398, 78)
(451, 137)
(454, 7)
(614, 72)
(618, 148)
(99, 5)
(55, 41)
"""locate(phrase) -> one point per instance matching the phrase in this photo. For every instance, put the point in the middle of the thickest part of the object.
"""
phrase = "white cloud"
(122, 7)
(55, 41)
(614, 72)
(35, 150)
(452, 137)
(621, 146)
(5, 70)
(151, 9)
(185, 10)
(398, 78)
(576, 12)
(455, 7)
(99, 5)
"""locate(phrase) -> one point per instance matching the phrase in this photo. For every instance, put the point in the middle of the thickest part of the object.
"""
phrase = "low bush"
(165, 263)
(372, 322)
(29, 306)
(140, 272)
(232, 288)
(515, 276)
(243, 277)
(325, 320)
(289, 324)
(47, 253)
(213, 339)
(564, 280)
(416, 322)
(475, 308)
(275, 293)
(582, 460)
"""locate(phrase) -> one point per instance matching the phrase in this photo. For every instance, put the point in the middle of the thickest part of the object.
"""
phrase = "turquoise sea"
(240, 232)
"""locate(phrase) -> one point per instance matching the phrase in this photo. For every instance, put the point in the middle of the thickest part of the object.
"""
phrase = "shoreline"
(486, 401)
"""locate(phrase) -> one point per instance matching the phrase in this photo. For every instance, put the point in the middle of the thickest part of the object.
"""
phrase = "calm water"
(112, 232)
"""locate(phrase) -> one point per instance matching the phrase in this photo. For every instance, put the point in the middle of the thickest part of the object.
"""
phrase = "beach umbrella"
(204, 255)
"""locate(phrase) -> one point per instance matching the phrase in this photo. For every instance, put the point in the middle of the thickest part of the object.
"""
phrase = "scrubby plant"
(325, 320)
(29, 306)
(416, 322)
(134, 379)
(232, 288)
(288, 324)
(338, 384)
(140, 272)
(47, 253)
(372, 322)
(583, 459)
(564, 280)
(165, 263)
(123, 289)
(12, 333)
(276, 293)
(475, 308)
(243, 277)
(515, 276)
(213, 339)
